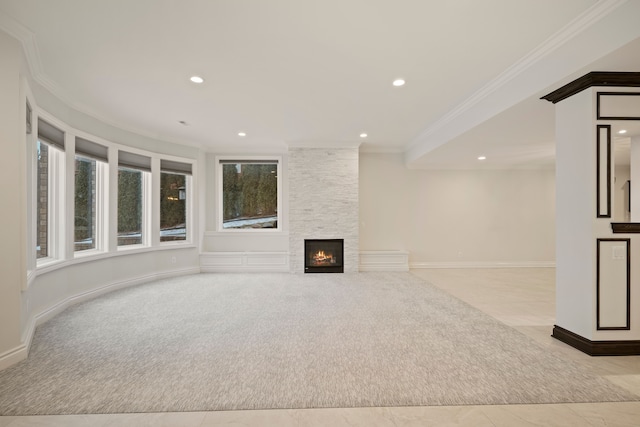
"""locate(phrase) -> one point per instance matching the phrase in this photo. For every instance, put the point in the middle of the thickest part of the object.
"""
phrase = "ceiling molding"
(323, 144)
(28, 40)
(254, 150)
(377, 149)
(32, 54)
(490, 99)
(594, 78)
(557, 40)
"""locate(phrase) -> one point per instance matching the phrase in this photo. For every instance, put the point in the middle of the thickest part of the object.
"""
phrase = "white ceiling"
(320, 72)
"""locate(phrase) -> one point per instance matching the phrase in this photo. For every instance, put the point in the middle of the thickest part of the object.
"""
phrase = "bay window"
(93, 198)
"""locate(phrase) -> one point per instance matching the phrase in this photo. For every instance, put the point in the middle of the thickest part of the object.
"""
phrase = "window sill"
(264, 232)
(87, 253)
(173, 243)
(47, 262)
(132, 248)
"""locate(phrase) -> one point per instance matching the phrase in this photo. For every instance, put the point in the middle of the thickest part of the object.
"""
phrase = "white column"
(575, 213)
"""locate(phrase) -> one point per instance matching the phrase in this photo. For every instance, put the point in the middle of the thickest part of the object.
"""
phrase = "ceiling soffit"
(601, 29)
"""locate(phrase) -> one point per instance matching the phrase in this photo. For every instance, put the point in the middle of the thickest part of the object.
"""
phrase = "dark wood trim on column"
(625, 227)
(599, 165)
(627, 326)
(594, 78)
(599, 116)
(596, 348)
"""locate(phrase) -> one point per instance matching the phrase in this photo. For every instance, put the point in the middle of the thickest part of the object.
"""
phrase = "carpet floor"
(259, 341)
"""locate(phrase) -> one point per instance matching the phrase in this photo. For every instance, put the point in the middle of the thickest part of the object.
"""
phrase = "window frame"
(55, 203)
(145, 227)
(101, 235)
(187, 210)
(219, 162)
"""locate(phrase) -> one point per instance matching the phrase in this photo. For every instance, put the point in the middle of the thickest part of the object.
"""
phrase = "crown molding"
(323, 144)
(28, 40)
(380, 149)
(594, 78)
(32, 54)
(592, 15)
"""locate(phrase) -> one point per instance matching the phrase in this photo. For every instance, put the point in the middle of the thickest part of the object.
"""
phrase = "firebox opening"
(324, 256)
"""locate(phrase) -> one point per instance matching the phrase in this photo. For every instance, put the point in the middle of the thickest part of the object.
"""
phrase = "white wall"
(457, 218)
(13, 207)
(54, 289)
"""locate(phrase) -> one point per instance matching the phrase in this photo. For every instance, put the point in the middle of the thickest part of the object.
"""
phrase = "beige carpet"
(256, 341)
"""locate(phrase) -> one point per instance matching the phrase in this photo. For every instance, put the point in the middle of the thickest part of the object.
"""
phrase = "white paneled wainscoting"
(234, 262)
(213, 262)
(389, 260)
(384, 261)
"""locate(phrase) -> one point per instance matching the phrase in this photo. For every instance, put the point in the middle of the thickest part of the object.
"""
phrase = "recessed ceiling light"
(482, 157)
(622, 131)
(196, 79)
(398, 82)
(242, 134)
(363, 135)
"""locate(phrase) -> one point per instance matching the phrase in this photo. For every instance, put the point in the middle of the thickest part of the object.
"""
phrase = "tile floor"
(521, 298)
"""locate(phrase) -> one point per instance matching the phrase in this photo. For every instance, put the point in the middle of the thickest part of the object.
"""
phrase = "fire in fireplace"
(323, 256)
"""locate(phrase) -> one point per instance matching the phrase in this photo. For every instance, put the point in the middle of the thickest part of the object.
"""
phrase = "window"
(174, 191)
(79, 207)
(85, 204)
(49, 147)
(133, 170)
(42, 201)
(249, 194)
(90, 161)
(29, 118)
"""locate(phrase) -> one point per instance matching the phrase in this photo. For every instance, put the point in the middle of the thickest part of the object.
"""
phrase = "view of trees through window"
(85, 204)
(130, 212)
(42, 200)
(173, 207)
(250, 195)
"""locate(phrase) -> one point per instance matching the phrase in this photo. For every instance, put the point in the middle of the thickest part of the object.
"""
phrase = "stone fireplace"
(323, 202)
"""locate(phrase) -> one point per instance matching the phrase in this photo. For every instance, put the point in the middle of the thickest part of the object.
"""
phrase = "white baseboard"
(384, 261)
(483, 264)
(237, 262)
(13, 356)
(31, 277)
(21, 352)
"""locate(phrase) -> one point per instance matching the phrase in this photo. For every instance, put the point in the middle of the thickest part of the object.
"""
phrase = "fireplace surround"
(324, 256)
(323, 200)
